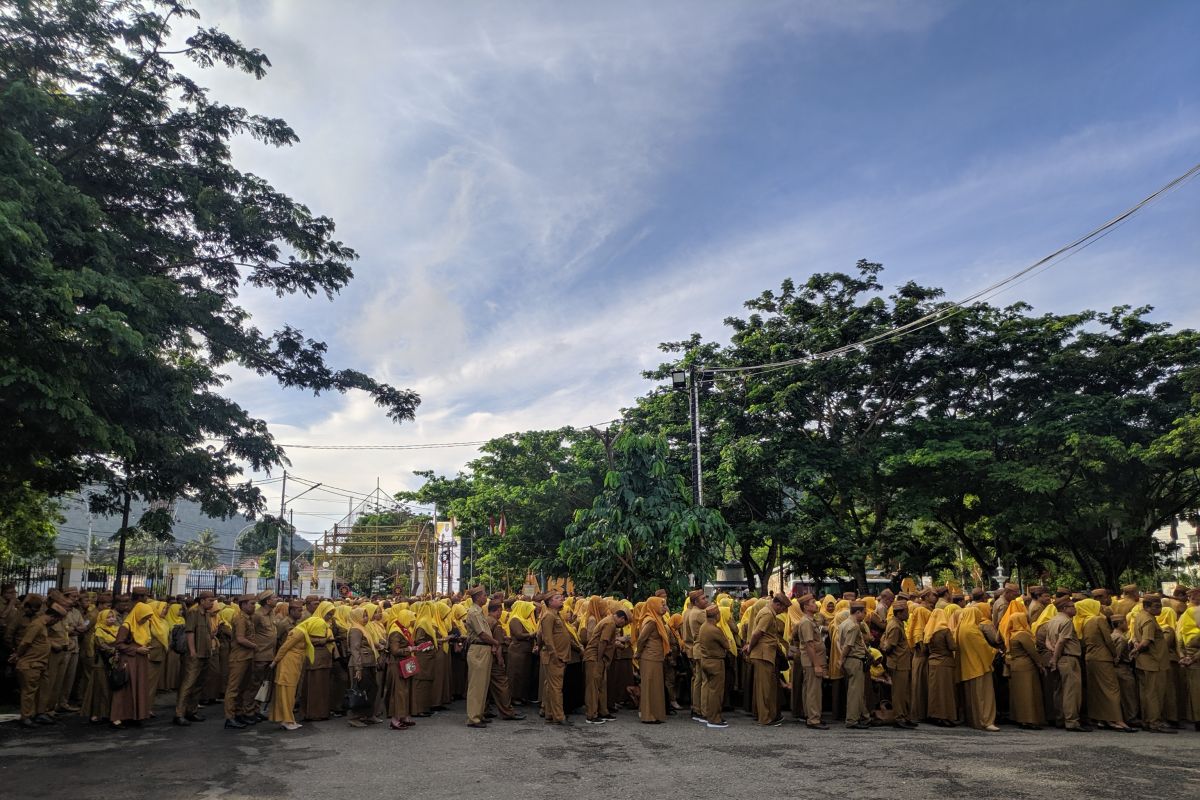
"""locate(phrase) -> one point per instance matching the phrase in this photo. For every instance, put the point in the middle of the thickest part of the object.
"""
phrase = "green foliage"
(126, 234)
(263, 535)
(642, 532)
(201, 552)
(27, 520)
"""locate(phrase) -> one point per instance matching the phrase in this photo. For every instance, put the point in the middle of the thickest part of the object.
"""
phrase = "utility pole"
(279, 527)
(694, 412)
(291, 544)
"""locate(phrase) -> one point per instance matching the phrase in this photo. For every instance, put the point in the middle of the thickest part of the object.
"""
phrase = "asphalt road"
(442, 758)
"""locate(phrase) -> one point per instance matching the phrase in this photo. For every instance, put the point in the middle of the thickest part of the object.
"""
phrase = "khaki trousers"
(479, 677)
(195, 673)
(259, 672)
(51, 684)
(812, 696)
(70, 667)
(1150, 692)
(552, 696)
(595, 689)
(856, 699)
(713, 693)
(239, 673)
(902, 694)
(697, 685)
(766, 691)
(1069, 692)
(31, 679)
(498, 689)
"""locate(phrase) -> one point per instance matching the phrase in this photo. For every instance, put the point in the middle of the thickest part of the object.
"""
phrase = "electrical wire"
(950, 309)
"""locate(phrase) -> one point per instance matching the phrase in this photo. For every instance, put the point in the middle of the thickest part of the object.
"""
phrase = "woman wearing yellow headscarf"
(1187, 640)
(975, 658)
(299, 647)
(427, 686)
(97, 696)
(132, 703)
(522, 630)
(1173, 697)
(654, 644)
(160, 641)
(318, 673)
(620, 671)
(1100, 656)
(364, 660)
(941, 647)
(172, 672)
(918, 616)
(452, 682)
(1025, 672)
(397, 688)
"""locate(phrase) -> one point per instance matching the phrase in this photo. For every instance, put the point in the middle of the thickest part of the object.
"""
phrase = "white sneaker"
(597, 721)
(291, 726)
(717, 724)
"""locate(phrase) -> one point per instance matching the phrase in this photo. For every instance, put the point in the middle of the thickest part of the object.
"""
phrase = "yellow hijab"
(1047, 614)
(1018, 623)
(835, 649)
(138, 623)
(106, 627)
(1011, 612)
(360, 619)
(939, 620)
(158, 623)
(975, 655)
(1188, 628)
(313, 626)
(654, 608)
(1084, 610)
(723, 624)
(918, 618)
(403, 622)
(426, 620)
(225, 616)
(523, 611)
(175, 614)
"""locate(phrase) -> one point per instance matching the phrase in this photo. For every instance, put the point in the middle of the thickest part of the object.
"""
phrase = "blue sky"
(542, 192)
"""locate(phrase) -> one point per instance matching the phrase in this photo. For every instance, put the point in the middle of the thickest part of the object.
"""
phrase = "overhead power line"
(950, 309)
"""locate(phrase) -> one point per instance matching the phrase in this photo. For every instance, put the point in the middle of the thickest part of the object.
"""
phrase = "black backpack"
(178, 640)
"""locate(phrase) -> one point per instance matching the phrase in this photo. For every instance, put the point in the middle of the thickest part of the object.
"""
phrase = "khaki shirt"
(804, 632)
(894, 644)
(556, 642)
(599, 645)
(1145, 629)
(72, 621)
(34, 646)
(265, 635)
(477, 624)
(767, 623)
(243, 628)
(852, 638)
(1061, 628)
(711, 642)
(692, 622)
(196, 622)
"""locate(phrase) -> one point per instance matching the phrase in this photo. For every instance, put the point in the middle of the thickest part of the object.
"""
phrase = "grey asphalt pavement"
(442, 758)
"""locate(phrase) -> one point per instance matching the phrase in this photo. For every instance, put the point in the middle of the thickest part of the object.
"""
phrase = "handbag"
(118, 675)
(264, 692)
(355, 698)
(408, 667)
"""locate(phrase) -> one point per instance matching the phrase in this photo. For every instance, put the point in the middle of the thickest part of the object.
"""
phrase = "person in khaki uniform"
(241, 657)
(852, 642)
(597, 654)
(50, 686)
(1066, 654)
(692, 620)
(31, 656)
(810, 644)
(1149, 645)
(200, 629)
(480, 649)
(265, 636)
(498, 684)
(1100, 657)
(710, 649)
(766, 630)
(1187, 639)
(898, 658)
(1130, 597)
(76, 626)
(555, 643)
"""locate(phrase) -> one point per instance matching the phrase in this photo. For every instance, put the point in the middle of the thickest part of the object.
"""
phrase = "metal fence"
(39, 577)
(219, 583)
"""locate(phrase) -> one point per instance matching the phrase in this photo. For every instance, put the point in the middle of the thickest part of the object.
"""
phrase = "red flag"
(503, 524)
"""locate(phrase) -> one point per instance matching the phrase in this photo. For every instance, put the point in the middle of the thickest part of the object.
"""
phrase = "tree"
(642, 532)
(201, 552)
(126, 234)
(27, 520)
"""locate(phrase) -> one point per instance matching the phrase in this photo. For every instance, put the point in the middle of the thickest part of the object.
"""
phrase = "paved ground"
(442, 758)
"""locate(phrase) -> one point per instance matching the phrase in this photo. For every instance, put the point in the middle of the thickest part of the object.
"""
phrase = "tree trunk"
(860, 577)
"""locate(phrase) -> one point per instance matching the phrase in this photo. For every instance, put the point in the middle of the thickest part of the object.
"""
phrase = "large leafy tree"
(201, 552)
(126, 235)
(643, 532)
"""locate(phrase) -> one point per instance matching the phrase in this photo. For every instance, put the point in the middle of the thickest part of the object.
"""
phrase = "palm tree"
(201, 552)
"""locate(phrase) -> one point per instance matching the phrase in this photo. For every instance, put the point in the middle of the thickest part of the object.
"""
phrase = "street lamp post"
(689, 380)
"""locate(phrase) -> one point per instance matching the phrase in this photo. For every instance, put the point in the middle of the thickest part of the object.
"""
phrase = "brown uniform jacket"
(554, 638)
(243, 628)
(767, 623)
(693, 620)
(894, 645)
(711, 642)
(196, 622)
(807, 631)
(599, 645)
(265, 635)
(1145, 629)
(34, 647)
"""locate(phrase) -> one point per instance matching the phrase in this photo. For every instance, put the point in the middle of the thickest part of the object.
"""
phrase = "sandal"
(356, 723)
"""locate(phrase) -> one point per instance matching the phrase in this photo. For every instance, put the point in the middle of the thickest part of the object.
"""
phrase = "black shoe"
(513, 717)
(26, 722)
(476, 725)
(912, 726)
(489, 715)
(775, 723)
(194, 717)
(181, 721)
(424, 714)
(234, 723)
(859, 726)
(260, 717)
(607, 716)
(44, 719)
(821, 726)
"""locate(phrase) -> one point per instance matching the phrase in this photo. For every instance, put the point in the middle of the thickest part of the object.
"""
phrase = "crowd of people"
(1030, 658)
